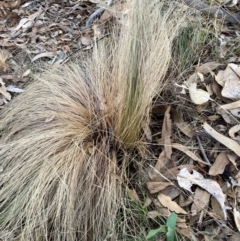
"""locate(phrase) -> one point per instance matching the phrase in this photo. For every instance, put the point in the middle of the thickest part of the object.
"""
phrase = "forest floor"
(194, 188)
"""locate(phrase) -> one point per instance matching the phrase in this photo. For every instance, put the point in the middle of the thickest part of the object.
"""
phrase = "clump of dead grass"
(66, 141)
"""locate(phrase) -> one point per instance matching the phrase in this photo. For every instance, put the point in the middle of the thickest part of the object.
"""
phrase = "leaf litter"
(181, 181)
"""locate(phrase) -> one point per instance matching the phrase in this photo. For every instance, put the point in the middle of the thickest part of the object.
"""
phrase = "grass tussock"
(68, 136)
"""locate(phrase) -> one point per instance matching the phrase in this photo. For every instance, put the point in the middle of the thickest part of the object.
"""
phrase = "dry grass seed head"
(61, 137)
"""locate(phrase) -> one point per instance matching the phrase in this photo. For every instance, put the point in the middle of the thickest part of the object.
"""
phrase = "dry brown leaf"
(133, 194)
(27, 23)
(217, 90)
(159, 109)
(186, 180)
(235, 112)
(234, 132)
(216, 209)
(171, 191)
(189, 153)
(213, 117)
(154, 214)
(198, 96)
(162, 162)
(228, 142)
(179, 122)
(147, 202)
(183, 201)
(4, 55)
(44, 55)
(187, 232)
(200, 201)
(167, 202)
(234, 108)
(147, 131)
(3, 90)
(229, 79)
(163, 212)
(105, 16)
(26, 73)
(172, 173)
(219, 165)
(227, 116)
(233, 159)
(231, 106)
(207, 67)
(234, 237)
(155, 187)
(86, 40)
(13, 78)
(236, 215)
(181, 223)
(167, 132)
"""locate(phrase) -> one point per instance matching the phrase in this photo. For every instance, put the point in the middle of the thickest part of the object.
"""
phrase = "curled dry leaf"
(228, 142)
(12, 88)
(186, 180)
(234, 132)
(167, 202)
(198, 96)
(234, 108)
(44, 55)
(233, 158)
(3, 90)
(219, 165)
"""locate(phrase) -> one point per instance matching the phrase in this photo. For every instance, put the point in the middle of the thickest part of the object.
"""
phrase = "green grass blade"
(171, 226)
(153, 232)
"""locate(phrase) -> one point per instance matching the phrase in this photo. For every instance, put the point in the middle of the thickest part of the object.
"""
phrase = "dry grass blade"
(67, 137)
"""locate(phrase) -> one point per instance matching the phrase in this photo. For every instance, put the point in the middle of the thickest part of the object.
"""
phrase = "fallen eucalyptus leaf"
(166, 201)
(186, 180)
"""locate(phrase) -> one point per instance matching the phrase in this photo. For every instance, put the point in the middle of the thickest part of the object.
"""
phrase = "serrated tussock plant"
(66, 141)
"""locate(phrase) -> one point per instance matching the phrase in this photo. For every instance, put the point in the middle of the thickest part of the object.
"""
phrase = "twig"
(213, 11)
(202, 150)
